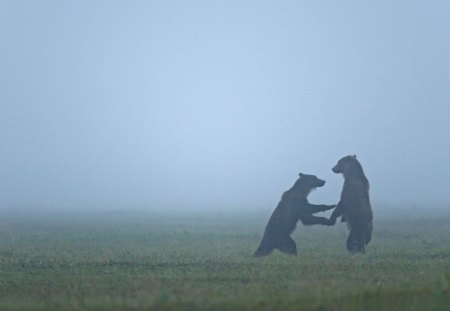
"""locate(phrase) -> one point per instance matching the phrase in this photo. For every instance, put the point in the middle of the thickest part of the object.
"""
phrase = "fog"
(218, 105)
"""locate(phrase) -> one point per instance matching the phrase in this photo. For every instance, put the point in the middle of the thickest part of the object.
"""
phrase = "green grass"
(139, 260)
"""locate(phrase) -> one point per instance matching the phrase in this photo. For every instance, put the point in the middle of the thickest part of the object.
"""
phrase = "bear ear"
(300, 174)
(354, 156)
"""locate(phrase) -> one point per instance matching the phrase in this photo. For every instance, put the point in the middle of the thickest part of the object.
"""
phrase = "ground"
(156, 261)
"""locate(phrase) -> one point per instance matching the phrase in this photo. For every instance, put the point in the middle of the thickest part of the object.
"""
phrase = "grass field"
(153, 261)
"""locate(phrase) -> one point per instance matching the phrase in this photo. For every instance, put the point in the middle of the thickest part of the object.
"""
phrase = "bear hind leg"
(369, 233)
(355, 242)
(264, 249)
(288, 246)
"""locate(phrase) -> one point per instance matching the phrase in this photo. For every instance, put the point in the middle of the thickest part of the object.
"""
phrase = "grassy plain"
(195, 261)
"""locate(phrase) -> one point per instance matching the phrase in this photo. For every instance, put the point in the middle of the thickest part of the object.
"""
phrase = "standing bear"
(354, 206)
(292, 207)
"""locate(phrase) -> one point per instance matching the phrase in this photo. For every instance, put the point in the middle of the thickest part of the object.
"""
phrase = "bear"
(354, 205)
(293, 206)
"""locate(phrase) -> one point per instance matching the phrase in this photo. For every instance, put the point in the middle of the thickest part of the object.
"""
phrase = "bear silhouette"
(354, 205)
(293, 206)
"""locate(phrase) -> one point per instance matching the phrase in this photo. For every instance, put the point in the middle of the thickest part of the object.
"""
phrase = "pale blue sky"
(219, 104)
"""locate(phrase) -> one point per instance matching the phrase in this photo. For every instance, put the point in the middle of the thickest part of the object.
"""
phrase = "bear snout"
(335, 169)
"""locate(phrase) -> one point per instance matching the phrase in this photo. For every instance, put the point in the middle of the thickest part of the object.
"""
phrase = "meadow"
(137, 260)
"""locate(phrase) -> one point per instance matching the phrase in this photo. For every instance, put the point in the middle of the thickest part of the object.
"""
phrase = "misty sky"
(220, 104)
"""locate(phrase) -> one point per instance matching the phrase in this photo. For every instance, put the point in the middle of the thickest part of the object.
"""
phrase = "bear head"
(303, 186)
(310, 181)
(348, 165)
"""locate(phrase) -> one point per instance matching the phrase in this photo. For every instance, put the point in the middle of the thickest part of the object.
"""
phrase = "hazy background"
(217, 105)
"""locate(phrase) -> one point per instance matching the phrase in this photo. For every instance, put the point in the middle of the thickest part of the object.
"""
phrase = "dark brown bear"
(292, 207)
(354, 206)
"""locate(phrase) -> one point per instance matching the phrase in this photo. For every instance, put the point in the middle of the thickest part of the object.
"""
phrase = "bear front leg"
(338, 211)
(320, 207)
(313, 220)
